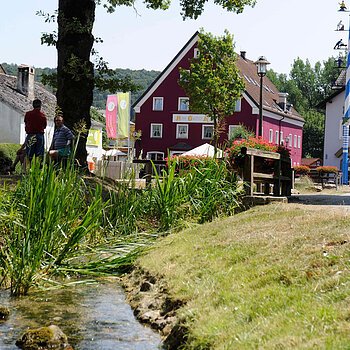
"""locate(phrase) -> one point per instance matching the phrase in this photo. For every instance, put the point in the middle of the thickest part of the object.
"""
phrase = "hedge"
(7, 155)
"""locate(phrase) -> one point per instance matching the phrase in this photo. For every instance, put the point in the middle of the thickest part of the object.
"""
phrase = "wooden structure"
(147, 171)
(324, 179)
(264, 171)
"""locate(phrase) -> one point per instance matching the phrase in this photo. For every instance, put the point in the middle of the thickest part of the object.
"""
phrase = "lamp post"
(261, 65)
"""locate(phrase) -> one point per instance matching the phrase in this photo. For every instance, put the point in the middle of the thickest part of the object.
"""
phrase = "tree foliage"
(307, 86)
(75, 71)
(213, 82)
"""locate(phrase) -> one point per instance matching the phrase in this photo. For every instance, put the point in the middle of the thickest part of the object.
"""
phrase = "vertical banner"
(111, 116)
(346, 119)
(123, 114)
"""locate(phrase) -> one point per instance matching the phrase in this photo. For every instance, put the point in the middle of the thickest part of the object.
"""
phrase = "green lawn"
(273, 277)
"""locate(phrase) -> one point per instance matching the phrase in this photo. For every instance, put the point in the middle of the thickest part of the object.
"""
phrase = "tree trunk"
(75, 72)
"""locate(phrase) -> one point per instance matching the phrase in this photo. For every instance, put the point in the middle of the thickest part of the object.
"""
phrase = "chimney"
(243, 53)
(282, 100)
(25, 81)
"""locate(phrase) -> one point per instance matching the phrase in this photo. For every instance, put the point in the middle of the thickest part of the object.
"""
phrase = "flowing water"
(93, 316)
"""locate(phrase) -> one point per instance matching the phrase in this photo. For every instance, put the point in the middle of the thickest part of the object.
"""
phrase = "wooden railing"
(264, 171)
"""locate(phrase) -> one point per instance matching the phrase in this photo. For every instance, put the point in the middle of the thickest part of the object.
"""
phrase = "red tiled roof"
(270, 92)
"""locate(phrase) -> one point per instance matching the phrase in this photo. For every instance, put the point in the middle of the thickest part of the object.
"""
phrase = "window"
(183, 104)
(295, 141)
(299, 141)
(238, 105)
(277, 137)
(182, 131)
(290, 140)
(270, 135)
(196, 53)
(156, 131)
(207, 131)
(281, 138)
(157, 103)
(155, 155)
(231, 129)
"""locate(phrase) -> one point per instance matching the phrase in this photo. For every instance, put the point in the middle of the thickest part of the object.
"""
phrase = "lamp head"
(261, 65)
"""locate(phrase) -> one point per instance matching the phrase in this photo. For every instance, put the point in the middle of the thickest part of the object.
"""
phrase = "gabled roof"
(10, 96)
(338, 86)
(2, 70)
(249, 75)
(139, 102)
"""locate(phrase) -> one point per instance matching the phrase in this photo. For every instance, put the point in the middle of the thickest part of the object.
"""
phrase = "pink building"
(163, 112)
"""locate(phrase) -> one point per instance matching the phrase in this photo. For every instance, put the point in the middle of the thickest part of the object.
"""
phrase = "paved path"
(334, 199)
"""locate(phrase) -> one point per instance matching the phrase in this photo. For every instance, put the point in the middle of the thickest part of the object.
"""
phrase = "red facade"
(172, 131)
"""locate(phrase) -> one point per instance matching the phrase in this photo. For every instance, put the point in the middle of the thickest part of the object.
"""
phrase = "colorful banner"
(94, 137)
(111, 116)
(123, 118)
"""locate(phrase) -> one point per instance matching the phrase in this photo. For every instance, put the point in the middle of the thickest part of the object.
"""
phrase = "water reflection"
(93, 316)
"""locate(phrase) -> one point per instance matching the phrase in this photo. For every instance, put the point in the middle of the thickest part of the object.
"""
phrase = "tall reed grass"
(55, 222)
(44, 223)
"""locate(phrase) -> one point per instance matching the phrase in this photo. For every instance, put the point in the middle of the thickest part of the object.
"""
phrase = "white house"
(333, 138)
(16, 96)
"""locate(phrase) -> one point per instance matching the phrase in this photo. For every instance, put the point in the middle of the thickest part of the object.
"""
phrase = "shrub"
(251, 142)
(7, 155)
(327, 169)
(301, 169)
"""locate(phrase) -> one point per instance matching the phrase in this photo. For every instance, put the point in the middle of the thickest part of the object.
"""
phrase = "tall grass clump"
(212, 190)
(124, 213)
(166, 197)
(200, 192)
(46, 219)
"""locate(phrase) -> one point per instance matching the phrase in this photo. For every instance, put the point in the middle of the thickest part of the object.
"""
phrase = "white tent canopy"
(204, 150)
(114, 152)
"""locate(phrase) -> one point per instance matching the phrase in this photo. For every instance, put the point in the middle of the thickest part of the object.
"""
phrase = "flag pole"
(346, 119)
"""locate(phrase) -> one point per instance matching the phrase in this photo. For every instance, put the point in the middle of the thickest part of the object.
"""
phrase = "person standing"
(61, 141)
(35, 123)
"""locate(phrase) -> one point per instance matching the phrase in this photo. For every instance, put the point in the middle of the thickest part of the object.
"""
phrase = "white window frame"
(203, 133)
(155, 99)
(152, 136)
(290, 143)
(196, 53)
(281, 137)
(181, 136)
(179, 104)
(295, 141)
(238, 105)
(299, 141)
(180, 75)
(270, 135)
(231, 128)
(277, 134)
(148, 156)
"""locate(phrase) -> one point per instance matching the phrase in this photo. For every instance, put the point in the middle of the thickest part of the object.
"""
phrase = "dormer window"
(158, 103)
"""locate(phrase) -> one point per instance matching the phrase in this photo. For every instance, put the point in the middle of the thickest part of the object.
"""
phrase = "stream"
(93, 316)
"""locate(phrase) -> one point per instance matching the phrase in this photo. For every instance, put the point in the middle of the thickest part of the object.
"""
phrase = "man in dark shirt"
(35, 123)
(61, 141)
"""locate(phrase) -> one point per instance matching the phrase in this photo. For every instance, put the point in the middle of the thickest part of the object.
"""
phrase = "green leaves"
(213, 83)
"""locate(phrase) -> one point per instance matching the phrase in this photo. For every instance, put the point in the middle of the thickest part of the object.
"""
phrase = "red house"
(167, 125)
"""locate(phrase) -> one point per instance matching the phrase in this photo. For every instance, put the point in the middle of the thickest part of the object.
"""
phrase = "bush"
(327, 169)
(301, 169)
(7, 155)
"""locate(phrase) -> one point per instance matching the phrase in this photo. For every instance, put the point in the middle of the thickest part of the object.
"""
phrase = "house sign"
(191, 118)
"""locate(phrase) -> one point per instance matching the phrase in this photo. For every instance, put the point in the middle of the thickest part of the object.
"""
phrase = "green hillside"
(141, 77)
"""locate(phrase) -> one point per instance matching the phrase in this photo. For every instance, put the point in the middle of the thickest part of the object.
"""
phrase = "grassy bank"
(274, 277)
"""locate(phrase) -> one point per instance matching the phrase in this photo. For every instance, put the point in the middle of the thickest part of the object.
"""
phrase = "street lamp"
(261, 65)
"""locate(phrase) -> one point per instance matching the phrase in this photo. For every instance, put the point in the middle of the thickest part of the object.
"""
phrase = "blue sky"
(281, 30)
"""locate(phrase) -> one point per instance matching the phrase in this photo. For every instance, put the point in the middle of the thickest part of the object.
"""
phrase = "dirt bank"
(149, 298)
